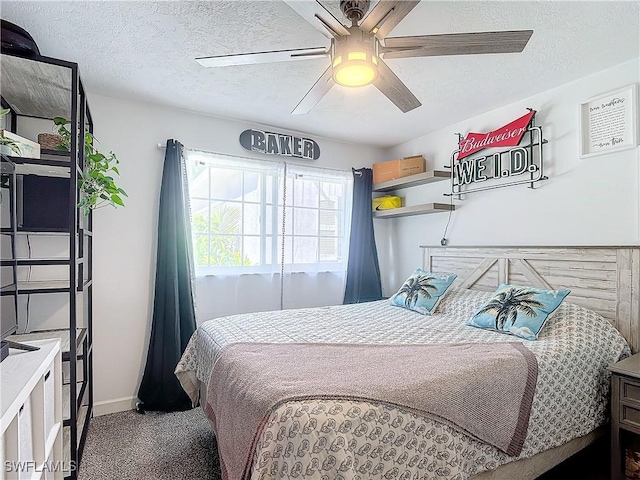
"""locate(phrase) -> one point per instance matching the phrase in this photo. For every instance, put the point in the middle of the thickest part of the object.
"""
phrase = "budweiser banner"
(507, 136)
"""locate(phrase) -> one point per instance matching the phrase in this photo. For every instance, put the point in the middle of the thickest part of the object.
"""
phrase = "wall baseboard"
(114, 406)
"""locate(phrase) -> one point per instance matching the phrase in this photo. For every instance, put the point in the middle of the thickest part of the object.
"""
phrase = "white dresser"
(31, 405)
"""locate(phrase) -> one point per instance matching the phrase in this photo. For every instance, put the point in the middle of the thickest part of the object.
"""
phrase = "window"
(240, 206)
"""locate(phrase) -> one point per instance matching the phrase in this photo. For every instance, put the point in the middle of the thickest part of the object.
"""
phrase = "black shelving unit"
(43, 88)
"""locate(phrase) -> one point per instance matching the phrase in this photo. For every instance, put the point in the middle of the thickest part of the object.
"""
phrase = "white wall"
(125, 239)
(592, 201)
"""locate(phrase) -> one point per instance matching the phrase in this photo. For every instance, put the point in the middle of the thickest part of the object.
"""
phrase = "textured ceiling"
(146, 51)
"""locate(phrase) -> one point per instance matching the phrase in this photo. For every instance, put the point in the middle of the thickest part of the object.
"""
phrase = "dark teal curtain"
(363, 271)
(173, 320)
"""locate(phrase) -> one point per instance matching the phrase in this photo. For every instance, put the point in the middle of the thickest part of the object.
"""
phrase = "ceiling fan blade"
(319, 17)
(393, 88)
(456, 44)
(386, 15)
(263, 57)
(313, 96)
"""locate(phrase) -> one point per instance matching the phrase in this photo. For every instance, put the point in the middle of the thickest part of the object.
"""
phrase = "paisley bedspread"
(343, 440)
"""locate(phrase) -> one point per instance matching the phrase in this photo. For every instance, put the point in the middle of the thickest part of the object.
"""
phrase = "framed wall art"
(609, 122)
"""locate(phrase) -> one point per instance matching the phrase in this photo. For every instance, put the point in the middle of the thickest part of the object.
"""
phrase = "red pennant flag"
(507, 136)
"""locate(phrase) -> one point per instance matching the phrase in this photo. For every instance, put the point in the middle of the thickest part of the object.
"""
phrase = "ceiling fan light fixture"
(355, 61)
(359, 69)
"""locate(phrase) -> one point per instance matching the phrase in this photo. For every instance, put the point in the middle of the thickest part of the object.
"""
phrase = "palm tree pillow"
(422, 291)
(519, 311)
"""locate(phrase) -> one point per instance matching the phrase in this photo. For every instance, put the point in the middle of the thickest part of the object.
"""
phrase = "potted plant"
(97, 185)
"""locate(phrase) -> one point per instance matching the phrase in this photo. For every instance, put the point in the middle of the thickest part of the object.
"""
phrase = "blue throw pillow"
(422, 291)
(520, 311)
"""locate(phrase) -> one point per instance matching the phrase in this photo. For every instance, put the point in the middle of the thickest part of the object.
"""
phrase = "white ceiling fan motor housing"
(354, 10)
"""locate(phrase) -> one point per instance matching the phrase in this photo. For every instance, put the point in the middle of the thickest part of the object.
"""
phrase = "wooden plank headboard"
(603, 279)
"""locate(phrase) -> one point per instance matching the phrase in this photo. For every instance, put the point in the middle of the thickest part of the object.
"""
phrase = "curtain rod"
(163, 146)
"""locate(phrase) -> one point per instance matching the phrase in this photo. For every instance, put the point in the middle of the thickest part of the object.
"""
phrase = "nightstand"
(625, 408)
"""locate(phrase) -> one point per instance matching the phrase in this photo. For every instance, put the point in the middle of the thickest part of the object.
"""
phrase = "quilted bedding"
(333, 439)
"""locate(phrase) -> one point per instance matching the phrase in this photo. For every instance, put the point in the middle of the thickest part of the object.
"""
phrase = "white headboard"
(603, 279)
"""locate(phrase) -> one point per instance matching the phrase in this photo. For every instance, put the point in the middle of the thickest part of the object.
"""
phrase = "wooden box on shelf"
(392, 169)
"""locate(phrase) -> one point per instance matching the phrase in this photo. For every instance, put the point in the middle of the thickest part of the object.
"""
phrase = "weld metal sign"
(279, 144)
(502, 165)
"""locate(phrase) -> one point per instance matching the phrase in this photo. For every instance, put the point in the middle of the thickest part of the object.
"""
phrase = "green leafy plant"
(8, 141)
(223, 247)
(97, 185)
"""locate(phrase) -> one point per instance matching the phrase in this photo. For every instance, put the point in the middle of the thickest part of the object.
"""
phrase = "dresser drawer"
(630, 417)
(630, 390)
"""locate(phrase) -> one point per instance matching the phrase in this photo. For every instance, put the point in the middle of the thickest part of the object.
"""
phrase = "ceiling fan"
(357, 52)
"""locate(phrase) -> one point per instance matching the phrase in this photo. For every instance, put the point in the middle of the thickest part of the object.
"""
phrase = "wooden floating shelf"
(414, 210)
(412, 180)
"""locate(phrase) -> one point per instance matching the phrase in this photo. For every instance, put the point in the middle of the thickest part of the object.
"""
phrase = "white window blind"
(240, 206)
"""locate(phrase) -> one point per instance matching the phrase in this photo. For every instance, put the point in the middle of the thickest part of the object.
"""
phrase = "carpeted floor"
(154, 446)
(181, 446)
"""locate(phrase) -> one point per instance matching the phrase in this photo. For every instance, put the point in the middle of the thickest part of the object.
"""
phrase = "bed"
(593, 328)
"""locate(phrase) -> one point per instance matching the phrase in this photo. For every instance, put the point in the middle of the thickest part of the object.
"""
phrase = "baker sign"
(279, 144)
